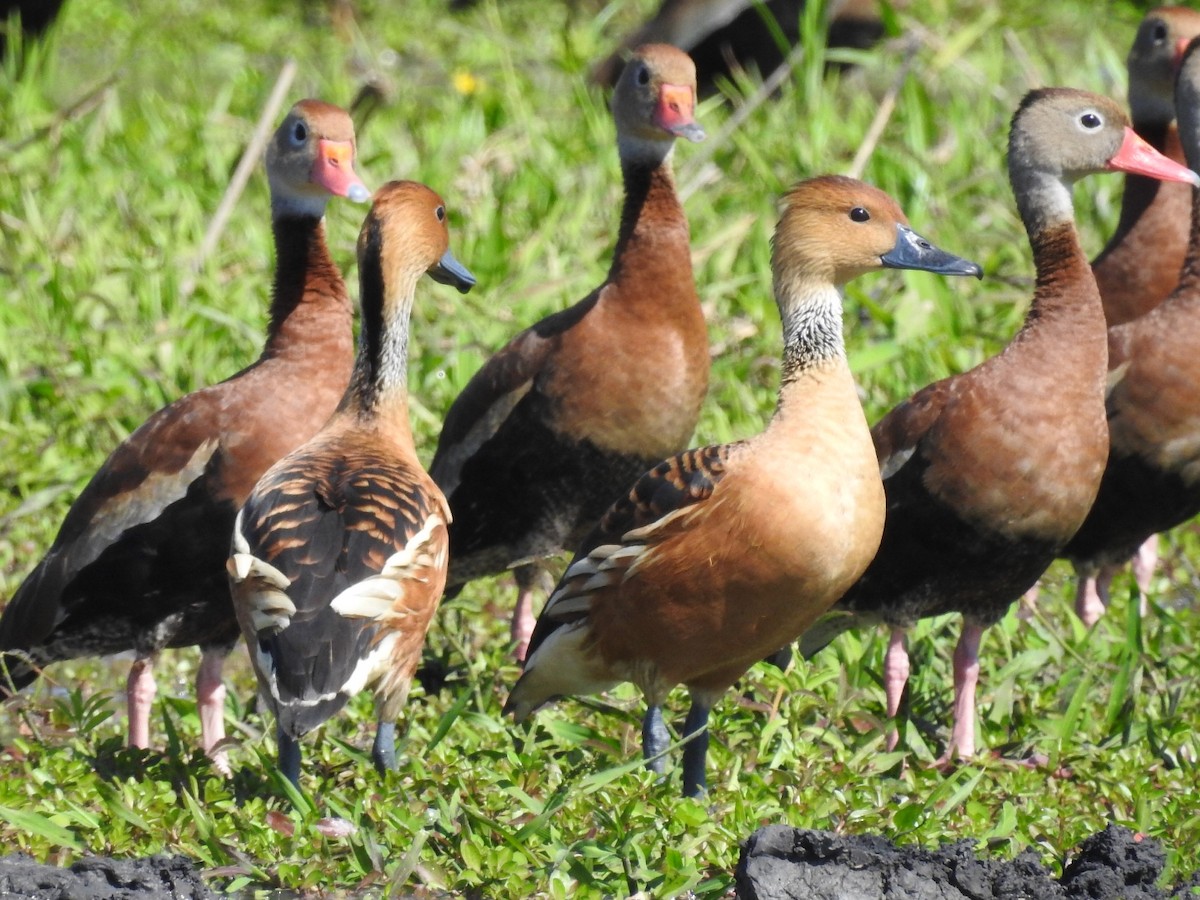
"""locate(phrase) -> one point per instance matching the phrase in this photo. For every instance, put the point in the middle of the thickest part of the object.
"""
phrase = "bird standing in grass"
(1140, 265)
(1152, 479)
(560, 421)
(339, 555)
(720, 555)
(989, 473)
(139, 561)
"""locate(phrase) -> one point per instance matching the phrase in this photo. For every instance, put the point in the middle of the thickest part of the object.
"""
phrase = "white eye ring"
(299, 134)
(1090, 120)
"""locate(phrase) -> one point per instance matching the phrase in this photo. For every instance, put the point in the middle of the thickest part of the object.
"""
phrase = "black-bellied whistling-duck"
(558, 423)
(139, 561)
(989, 473)
(339, 555)
(1139, 266)
(719, 555)
(1152, 480)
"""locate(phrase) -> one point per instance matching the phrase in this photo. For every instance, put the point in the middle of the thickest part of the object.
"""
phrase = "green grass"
(102, 210)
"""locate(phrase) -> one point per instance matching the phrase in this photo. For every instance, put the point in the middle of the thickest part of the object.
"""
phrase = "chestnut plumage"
(1152, 479)
(138, 562)
(719, 555)
(558, 423)
(989, 473)
(1139, 266)
(339, 554)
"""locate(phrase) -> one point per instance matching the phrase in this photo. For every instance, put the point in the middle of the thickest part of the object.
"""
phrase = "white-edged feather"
(560, 665)
(375, 597)
(259, 587)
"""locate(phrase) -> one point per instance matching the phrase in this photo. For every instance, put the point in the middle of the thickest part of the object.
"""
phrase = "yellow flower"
(464, 82)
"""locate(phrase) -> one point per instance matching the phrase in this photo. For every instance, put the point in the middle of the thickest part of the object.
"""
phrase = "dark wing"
(495, 390)
(176, 452)
(673, 484)
(659, 495)
(899, 432)
(315, 545)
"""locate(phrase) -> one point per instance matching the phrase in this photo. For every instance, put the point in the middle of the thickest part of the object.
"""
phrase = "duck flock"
(287, 504)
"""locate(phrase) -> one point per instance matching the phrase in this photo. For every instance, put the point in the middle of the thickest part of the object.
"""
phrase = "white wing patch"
(895, 462)
(375, 597)
(156, 492)
(259, 587)
(561, 666)
(448, 472)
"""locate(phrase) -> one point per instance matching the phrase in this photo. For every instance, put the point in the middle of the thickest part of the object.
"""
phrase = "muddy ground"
(101, 878)
(783, 863)
(778, 863)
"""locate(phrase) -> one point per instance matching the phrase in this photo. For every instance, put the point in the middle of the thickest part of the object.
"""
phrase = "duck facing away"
(989, 473)
(138, 563)
(339, 555)
(1152, 479)
(722, 554)
(560, 421)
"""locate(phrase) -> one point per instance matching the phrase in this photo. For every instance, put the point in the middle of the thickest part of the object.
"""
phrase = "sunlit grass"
(103, 205)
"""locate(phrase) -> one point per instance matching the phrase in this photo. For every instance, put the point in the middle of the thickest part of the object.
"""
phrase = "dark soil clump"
(101, 878)
(783, 863)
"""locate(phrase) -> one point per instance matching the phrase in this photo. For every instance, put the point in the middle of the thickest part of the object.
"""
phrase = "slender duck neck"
(652, 218)
(308, 286)
(1188, 290)
(1066, 288)
(378, 389)
(813, 343)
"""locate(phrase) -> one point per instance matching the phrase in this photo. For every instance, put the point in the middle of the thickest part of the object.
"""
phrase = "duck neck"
(652, 219)
(1188, 289)
(812, 331)
(379, 384)
(1065, 290)
(1043, 200)
(308, 286)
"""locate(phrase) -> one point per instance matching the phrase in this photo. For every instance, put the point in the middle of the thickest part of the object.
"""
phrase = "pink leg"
(210, 705)
(139, 698)
(522, 623)
(1145, 561)
(1091, 596)
(528, 577)
(1028, 605)
(895, 677)
(966, 677)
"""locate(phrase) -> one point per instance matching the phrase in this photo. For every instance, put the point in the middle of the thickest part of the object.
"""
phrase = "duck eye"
(643, 75)
(299, 133)
(1160, 32)
(1090, 121)
(858, 214)
(440, 212)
